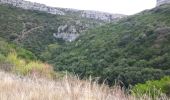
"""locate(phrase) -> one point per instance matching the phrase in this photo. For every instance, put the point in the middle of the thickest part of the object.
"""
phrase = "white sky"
(127, 7)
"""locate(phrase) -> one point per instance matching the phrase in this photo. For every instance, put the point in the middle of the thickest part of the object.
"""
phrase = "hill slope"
(107, 17)
(35, 30)
(133, 50)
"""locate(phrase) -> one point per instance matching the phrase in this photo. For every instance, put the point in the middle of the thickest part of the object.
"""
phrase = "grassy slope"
(68, 88)
(135, 49)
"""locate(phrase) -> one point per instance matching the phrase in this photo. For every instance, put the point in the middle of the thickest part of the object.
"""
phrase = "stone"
(67, 33)
(65, 36)
(101, 15)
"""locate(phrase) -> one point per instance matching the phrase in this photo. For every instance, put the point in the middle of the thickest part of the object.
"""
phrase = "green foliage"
(18, 60)
(18, 64)
(46, 54)
(33, 68)
(133, 50)
(2, 58)
(34, 30)
(6, 48)
(154, 88)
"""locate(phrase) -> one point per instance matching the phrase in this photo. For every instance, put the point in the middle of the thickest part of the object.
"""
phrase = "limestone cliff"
(100, 15)
(62, 11)
(32, 6)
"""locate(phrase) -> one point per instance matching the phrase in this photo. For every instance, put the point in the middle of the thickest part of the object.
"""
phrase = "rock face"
(67, 33)
(100, 15)
(32, 6)
(62, 11)
(67, 37)
(160, 2)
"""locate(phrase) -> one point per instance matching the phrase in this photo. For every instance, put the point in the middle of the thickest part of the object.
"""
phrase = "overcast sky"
(127, 7)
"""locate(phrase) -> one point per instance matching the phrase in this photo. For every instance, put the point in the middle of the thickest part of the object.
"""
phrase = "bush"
(31, 68)
(166, 88)
(154, 88)
(16, 62)
(2, 58)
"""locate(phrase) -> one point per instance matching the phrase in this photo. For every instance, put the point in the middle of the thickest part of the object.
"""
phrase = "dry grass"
(14, 87)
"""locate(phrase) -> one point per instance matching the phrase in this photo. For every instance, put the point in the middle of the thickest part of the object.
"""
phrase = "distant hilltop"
(62, 11)
(32, 6)
(160, 2)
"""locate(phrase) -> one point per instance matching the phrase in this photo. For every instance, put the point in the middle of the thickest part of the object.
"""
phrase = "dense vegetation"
(34, 30)
(133, 50)
(18, 60)
(6, 48)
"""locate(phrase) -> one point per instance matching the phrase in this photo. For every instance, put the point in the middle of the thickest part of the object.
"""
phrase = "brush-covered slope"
(35, 30)
(133, 50)
(6, 48)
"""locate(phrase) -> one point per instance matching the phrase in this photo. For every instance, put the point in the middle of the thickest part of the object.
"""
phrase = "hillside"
(103, 16)
(133, 50)
(36, 30)
(43, 48)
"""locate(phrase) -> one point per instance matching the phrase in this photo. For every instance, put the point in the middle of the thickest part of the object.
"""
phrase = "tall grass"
(69, 88)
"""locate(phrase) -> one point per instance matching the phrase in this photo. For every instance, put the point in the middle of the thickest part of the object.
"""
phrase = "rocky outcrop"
(160, 2)
(63, 11)
(67, 33)
(65, 36)
(101, 15)
(32, 6)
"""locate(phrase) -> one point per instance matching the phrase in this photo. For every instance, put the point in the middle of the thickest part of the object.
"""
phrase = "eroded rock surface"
(62, 11)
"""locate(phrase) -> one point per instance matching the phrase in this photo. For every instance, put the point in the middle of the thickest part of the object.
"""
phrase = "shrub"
(3, 65)
(2, 58)
(18, 64)
(31, 68)
(154, 88)
(166, 88)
